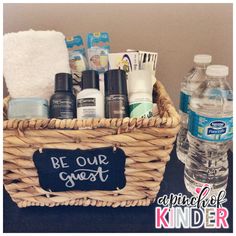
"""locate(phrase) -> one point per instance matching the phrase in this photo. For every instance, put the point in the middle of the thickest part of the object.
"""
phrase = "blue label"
(184, 102)
(98, 39)
(216, 131)
(210, 129)
(74, 41)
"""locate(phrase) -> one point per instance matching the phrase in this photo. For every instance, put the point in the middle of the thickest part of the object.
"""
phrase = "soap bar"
(27, 108)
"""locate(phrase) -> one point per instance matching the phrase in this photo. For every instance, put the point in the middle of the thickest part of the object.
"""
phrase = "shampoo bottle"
(63, 101)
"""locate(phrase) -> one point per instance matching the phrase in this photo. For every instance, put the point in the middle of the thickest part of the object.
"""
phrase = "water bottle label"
(184, 102)
(210, 129)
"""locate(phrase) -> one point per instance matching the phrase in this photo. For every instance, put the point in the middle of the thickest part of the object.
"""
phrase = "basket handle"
(5, 107)
(164, 103)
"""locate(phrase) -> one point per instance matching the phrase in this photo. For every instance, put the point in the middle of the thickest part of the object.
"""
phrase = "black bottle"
(116, 97)
(63, 101)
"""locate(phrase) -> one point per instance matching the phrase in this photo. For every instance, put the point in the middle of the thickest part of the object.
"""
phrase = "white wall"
(175, 31)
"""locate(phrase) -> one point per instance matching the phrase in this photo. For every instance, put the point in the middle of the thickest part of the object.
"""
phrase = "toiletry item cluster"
(97, 56)
(90, 101)
(100, 84)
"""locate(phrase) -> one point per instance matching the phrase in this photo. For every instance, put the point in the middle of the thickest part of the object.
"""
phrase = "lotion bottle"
(90, 100)
(140, 94)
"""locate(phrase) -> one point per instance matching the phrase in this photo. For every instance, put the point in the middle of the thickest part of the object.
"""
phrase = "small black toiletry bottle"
(116, 96)
(63, 101)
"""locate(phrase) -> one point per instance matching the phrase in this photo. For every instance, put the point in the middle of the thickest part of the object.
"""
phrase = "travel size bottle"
(116, 98)
(63, 101)
(90, 101)
(140, 94)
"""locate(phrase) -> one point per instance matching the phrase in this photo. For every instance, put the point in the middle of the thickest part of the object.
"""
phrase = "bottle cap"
(140, 81)
(90, 79)
(217, 71)
(202, 59)
(115, 82)
(63, 82)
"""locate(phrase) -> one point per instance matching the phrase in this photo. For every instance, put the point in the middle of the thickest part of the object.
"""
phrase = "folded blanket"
(30, 61)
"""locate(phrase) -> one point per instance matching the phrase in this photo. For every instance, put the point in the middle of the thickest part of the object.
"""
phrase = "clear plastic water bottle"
(191, 82)
(210, 132)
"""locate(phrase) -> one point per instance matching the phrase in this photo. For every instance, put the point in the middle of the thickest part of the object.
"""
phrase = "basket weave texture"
(146, 142)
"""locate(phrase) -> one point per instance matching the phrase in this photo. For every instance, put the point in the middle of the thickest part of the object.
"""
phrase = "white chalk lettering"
(83, 175)
(96, 160)
(81, 161)
(58, 162)
(102, 159)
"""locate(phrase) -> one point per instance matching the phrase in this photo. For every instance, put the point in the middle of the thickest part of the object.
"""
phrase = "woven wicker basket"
(146, 142)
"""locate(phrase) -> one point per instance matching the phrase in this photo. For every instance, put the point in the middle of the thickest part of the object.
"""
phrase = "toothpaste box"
(147, 60)
(126, 61)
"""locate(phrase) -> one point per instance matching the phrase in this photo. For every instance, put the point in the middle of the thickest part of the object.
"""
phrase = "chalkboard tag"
(93, 169)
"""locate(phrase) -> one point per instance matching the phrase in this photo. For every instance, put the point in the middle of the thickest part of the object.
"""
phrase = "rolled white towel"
(30, 61)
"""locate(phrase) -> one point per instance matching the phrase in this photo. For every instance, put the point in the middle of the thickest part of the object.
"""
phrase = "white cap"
(217, 71)
(139, 81)
(202, 59)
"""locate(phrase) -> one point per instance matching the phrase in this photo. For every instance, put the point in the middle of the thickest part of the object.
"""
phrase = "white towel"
(30, 61)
